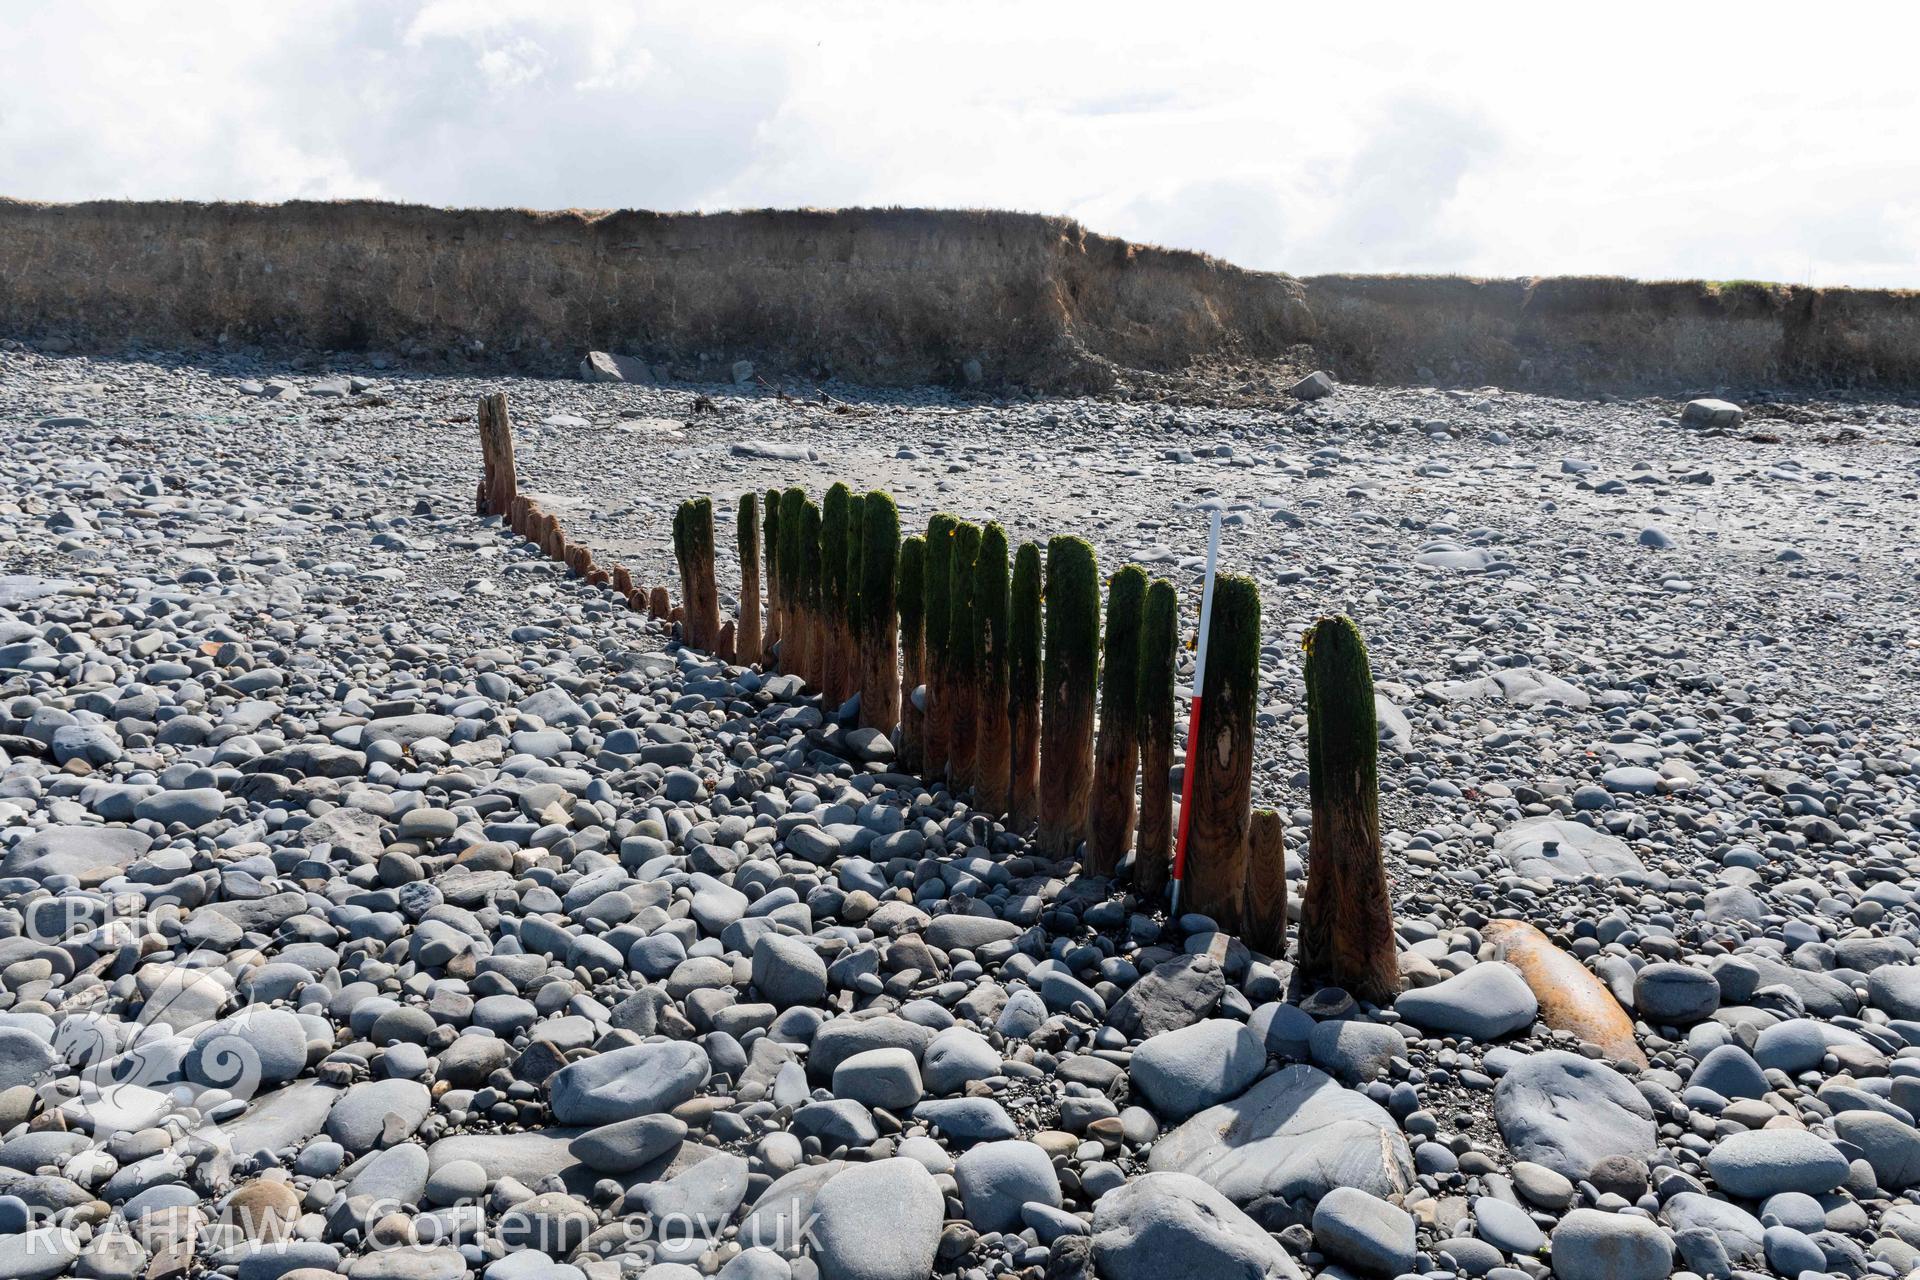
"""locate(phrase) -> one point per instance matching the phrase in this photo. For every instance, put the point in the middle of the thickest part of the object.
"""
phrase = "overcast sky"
(1669, 140)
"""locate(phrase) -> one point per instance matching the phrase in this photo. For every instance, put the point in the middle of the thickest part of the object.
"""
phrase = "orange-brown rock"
(1571, 998)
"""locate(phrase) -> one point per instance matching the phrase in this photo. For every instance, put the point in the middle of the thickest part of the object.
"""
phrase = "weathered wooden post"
(1159, 647)
(812, 579)
(693, 546)
(682, 559)
(1222, 758)
(936, 617)
(1266, 923)
(747, 536)
(1117, 758)
(776, 600)
(659, 604)
(834, 513)
(852, 614)
(879, 606)
(962, 667)
(1023, 684)
(793, 626)
(910, 596)
(993, 747)
(1066, 698)
(1346, 915)
(498, 483)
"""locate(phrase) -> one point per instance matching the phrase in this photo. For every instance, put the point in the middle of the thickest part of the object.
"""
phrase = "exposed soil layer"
(893, 297)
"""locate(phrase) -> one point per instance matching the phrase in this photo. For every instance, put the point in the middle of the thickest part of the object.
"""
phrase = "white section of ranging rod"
(1193, 715)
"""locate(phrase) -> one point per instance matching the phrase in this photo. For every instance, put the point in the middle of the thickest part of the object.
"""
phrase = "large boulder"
(1591, 1245)
(998, 1179)
(87, 853)
(1181, 1072)
(1566, 1112)
(1175, 993)
(604, 366)
(1765, 1162)
(1484, 1003)
(636, 1081)
(1173, 1224)
(878, 1221)
(1710, 412)
(1564, 852)
(1283, 1144)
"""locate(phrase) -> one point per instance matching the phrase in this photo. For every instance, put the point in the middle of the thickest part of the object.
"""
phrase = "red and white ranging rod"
(1193, 717)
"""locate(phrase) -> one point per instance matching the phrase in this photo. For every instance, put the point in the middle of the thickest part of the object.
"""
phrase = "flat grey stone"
(997, 1178)
(1175, 993)
(359, 1117)
(877, 1221)
(1161, 1225)
(626, 1145)
(1295, 1135)
(1488, 1001)
(1764, 1162)
(1566, 1112)
(1591, 1245)
(621, 1083)
(1364, 1230)
(1668, 994)
(788, 972)
(1187, 1070)
(1565, 852)
(75, 851)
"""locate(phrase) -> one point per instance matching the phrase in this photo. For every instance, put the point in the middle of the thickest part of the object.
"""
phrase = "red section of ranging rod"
(1193, 718)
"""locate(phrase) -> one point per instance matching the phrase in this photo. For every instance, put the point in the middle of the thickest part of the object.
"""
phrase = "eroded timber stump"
(1346, 915)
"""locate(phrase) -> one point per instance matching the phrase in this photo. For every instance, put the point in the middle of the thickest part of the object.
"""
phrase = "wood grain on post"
(1023, 684)
(834, 660)
(1346, 913)
(1116, 762)
(910, 598)
(776, 602)
(498, 483)
(693, 547)
(747, 533)
(963, 667)
(851, 617)
(813, 670)
(936, 578)
(1222, 758)
(993, 744)
(1266, 924)
(1067, 693)
(879, 621)
(1159, 645)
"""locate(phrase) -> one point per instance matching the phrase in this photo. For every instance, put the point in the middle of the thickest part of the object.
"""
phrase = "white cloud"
(1502, 139)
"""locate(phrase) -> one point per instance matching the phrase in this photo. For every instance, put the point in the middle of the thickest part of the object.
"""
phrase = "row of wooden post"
(1006, 653)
